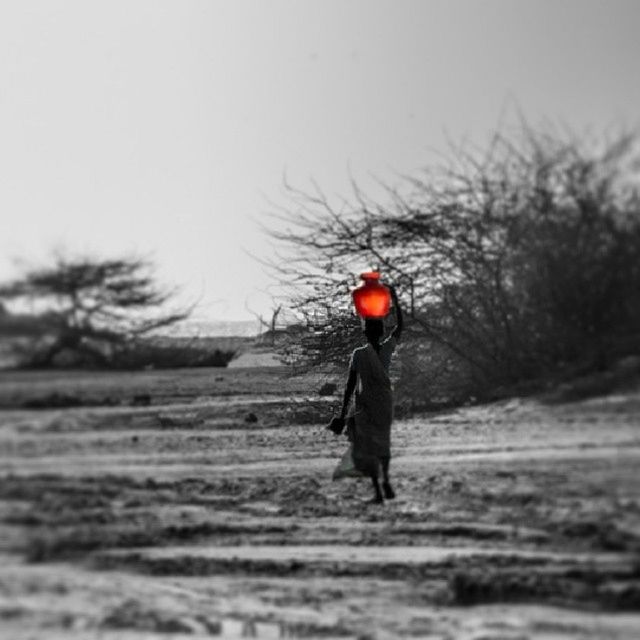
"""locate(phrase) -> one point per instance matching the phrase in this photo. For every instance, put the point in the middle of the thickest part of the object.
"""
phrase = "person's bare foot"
(389, 493)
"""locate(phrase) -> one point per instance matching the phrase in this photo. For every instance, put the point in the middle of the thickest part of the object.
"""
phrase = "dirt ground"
(199, 504)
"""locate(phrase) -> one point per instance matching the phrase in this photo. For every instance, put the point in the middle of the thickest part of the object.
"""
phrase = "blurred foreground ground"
(199, 504)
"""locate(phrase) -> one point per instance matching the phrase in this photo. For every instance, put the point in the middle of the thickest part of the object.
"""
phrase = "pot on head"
(372, 299)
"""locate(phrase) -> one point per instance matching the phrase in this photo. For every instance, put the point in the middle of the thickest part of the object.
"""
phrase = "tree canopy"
(518, 258)
(91, 307)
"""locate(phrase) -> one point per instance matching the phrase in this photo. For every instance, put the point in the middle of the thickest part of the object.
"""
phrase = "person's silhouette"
(369, 424)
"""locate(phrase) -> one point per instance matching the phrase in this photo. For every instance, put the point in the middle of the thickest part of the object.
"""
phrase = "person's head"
(373, 329)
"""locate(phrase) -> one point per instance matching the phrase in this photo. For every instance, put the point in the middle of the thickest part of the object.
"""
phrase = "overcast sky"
(164, 128)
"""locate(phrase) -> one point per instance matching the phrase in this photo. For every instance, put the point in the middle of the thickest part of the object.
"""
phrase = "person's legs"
(369, 465)
(389, 493)
(378, 499)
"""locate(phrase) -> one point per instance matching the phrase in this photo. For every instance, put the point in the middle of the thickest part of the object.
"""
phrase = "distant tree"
(267, 327)
(92, 308)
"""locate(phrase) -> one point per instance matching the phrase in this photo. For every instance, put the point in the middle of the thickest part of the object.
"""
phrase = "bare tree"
(270, 325)
(91, 307)
(518, 258)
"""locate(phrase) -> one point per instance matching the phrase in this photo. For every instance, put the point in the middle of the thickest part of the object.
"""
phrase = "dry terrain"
(199, 504)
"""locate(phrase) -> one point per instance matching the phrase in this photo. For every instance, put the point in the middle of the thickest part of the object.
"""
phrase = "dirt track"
(515, 520)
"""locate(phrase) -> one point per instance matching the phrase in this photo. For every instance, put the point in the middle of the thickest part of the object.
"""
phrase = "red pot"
(372, 298)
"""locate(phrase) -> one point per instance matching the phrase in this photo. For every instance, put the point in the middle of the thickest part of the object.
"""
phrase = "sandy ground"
(211, 513)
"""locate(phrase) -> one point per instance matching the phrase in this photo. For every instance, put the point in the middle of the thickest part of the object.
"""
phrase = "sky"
(165, 128)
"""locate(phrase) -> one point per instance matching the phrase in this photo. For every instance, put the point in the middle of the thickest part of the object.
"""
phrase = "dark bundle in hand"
(336, 425)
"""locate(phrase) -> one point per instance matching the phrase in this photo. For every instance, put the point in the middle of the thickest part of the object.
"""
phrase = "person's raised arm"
(397, 330)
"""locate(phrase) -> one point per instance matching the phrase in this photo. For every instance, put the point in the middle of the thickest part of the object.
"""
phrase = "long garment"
(370, 424)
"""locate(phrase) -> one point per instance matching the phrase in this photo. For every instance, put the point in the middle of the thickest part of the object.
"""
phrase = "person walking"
(369, 424)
